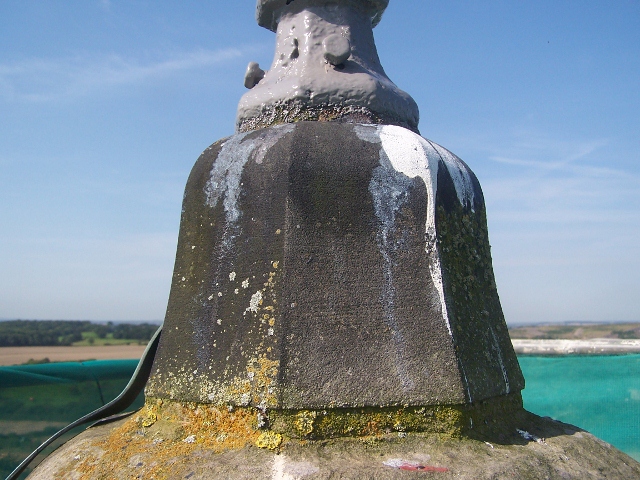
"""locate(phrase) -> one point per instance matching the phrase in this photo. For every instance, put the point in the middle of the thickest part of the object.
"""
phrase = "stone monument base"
(169, 440)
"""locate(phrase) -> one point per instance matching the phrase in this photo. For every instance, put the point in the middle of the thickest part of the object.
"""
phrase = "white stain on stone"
(270, 140)
(459, 173)
(412, 155)
(285, 469)
(502, 366)
(226, 172)
(530, 436)
(466, 382)
(389, 190)
(232, 276)
(224, 180)
(400, 463)
(254, 303)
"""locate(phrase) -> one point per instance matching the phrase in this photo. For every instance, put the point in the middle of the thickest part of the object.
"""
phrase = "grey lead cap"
(268, 11)
(325, 68)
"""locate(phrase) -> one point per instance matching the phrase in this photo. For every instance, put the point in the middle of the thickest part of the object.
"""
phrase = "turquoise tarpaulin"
(600, 394)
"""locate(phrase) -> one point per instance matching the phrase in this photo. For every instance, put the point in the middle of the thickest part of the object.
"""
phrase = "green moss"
(367, 422)
(476, 318)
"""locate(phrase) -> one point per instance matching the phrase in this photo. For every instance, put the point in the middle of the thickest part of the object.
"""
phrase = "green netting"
(38, 400)
(600, 394)
(65, 372)
(60, 392)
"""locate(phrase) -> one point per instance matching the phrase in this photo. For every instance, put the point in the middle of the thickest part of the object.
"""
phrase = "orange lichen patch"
(156, 442)
(373, 422)
(271, 282)
(258, 385)
(149, 419)
(368, 422)
(179, 431)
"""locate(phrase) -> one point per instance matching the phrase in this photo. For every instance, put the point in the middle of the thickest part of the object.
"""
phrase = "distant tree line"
(37, 333)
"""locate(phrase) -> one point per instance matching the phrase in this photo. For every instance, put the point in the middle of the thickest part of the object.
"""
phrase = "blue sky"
(105, 106)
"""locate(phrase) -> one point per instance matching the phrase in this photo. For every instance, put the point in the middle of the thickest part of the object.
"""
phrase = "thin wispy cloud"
(561, 181)
(43, 80)
(546, 153)
(558, 203)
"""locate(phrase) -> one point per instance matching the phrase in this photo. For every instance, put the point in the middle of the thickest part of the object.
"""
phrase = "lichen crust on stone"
(173, 429)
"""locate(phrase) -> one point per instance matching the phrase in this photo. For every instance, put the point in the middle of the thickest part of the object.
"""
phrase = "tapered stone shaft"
(325, 264)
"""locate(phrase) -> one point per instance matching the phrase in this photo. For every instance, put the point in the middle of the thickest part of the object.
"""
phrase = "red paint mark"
(412, 466)
(422, 468)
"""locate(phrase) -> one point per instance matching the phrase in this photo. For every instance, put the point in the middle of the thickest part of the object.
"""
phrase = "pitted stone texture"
(562, 452)
(312, 272)
(300, 77)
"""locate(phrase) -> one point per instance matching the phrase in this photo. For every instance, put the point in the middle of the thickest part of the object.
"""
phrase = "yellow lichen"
(149, 420)
(304, 422)
(269, 440)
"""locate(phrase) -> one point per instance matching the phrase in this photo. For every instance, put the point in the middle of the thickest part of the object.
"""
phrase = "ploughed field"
(576, 331)
(24, 355)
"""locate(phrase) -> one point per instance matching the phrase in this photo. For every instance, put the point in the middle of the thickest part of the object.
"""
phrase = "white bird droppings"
(226, 172)
(254, 303)
(413, 156)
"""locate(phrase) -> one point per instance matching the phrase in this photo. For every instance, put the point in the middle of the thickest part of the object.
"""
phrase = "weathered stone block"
(325, 264)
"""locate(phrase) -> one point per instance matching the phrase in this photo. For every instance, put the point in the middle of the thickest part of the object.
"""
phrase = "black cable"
(122, 401)
(91, 372)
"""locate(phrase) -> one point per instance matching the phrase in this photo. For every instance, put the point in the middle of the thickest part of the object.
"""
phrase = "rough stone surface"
(301, 78)
(524, 447)
(326, 265)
